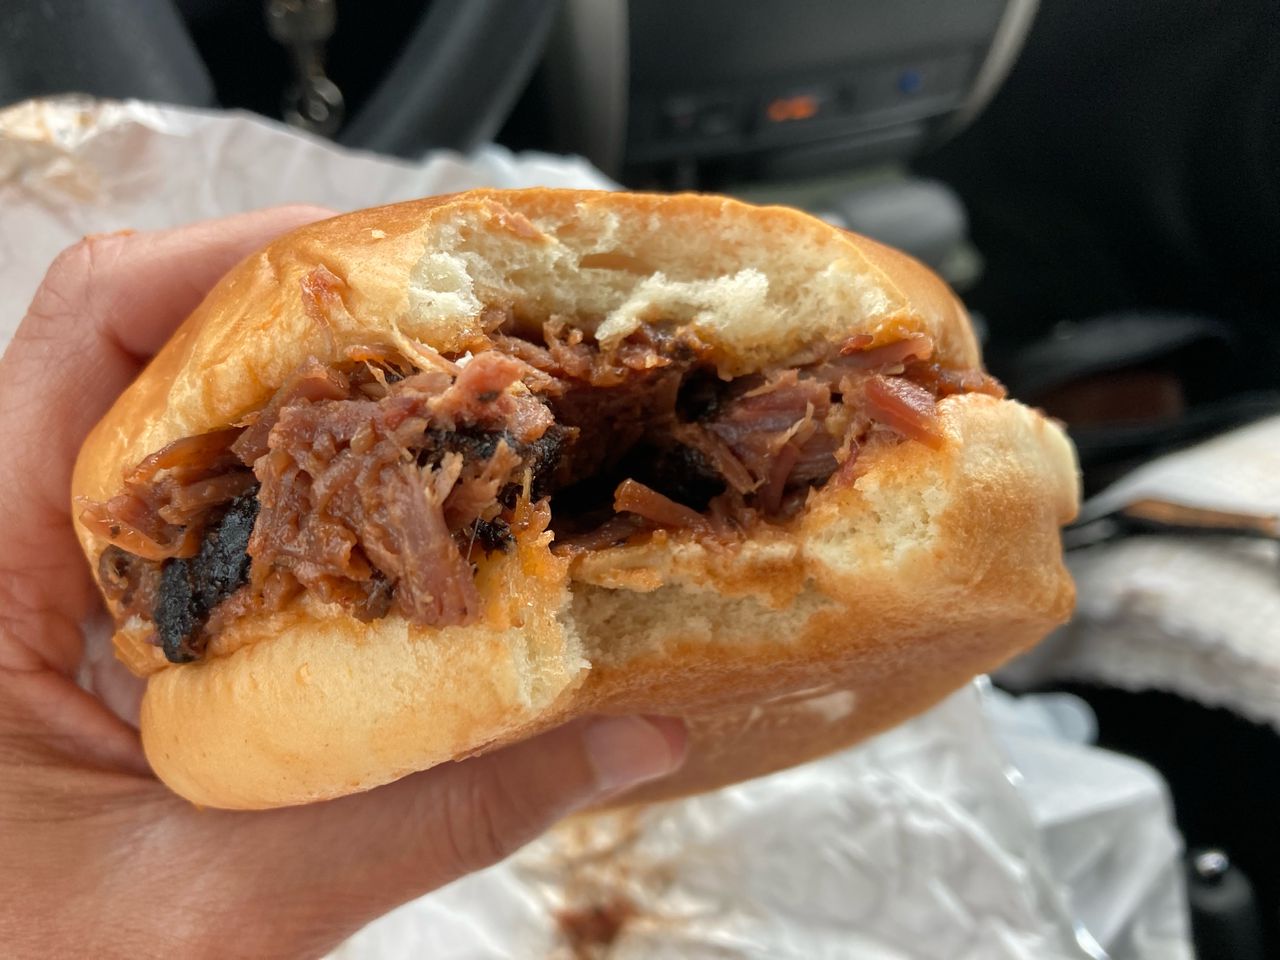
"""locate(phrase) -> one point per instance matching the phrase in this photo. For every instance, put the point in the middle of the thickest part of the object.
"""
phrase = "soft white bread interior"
(876, 601)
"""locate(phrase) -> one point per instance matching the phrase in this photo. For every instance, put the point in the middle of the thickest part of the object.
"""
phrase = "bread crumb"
(378, 234)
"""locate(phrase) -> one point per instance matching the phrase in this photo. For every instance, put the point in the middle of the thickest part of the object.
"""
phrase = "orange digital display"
(800, 107)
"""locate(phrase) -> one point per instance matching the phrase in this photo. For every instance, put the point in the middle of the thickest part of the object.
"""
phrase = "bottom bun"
(883, 596)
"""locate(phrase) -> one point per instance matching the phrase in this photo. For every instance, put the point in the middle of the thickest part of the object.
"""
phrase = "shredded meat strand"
(184, 459)
(902, 406)
(634, 497)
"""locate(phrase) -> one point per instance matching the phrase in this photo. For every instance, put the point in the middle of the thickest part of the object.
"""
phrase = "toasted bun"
(874, 603)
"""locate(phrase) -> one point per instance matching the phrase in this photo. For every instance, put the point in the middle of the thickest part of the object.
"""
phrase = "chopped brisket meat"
(313, 381)
(168, 496)
(712, 457)
(771, 424)
(377, 484)
(355, 492)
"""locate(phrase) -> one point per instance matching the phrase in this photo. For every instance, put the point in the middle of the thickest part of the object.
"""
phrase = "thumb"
(334, 866)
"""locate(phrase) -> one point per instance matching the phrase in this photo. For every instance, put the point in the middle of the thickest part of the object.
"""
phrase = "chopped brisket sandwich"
(422, 480)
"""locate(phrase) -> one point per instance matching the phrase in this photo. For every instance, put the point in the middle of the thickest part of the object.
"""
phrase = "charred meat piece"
(492, 536)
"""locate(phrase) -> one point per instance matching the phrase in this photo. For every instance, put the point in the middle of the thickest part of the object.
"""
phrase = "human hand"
(97, 857)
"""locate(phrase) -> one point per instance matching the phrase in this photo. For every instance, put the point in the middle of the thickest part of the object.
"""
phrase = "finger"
(105, 676)
(335, 866)
(104, 305)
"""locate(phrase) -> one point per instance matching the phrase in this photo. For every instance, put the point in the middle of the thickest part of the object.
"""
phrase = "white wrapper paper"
(924, 843)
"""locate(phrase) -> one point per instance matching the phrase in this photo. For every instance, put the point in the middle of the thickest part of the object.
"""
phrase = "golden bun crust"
(879, 599)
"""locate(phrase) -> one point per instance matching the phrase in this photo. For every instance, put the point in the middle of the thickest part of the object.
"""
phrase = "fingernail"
(625, 751)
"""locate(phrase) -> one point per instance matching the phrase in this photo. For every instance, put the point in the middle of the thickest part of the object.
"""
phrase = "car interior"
(1098, 179)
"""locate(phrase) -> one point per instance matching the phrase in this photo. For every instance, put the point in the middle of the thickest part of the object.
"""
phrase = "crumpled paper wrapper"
(922, 843)
(1194, 615)
(983, 829)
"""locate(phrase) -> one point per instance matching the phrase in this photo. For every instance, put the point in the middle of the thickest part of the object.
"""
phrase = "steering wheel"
(452, 85)
(487, 48)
